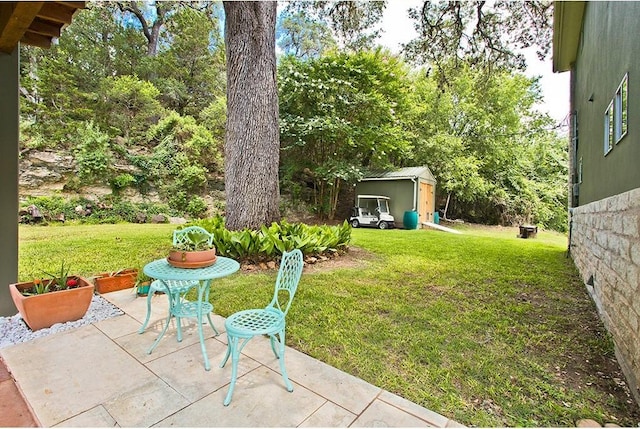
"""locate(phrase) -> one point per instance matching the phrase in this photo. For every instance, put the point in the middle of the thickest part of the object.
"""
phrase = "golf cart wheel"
(355, 223)
(383, 225)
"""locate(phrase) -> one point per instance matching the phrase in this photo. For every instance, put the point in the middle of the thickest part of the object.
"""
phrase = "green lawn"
(484, 328)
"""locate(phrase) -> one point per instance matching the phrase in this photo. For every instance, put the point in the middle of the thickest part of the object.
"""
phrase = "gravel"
(13, 330)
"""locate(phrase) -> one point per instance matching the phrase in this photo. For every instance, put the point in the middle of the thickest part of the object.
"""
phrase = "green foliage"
(59, 278)
(109, 210)
(271, 241)
(191, 68)
(340, 115)
(176, 134)
(121, 181)
(495, 158)
(355, 25)
(302, 37)
(490, 35)
(92, 153)
(197, 207)
(30, 138)
(194, 241)
(214, 118)
(58, 281)
(191, 178)
(128, 105)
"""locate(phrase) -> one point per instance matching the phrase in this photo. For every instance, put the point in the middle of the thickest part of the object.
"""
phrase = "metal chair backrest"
(181, 236)
(288, 278)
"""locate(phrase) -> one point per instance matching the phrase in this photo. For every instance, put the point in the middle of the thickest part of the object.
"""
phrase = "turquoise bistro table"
(173, 279)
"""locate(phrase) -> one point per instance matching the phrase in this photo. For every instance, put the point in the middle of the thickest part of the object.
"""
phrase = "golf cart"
(372, 210)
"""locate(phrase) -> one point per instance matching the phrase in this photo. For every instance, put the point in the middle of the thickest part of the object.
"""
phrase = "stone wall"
(605, 245)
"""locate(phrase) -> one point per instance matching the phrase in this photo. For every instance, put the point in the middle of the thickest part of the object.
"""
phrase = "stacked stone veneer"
(605, 244)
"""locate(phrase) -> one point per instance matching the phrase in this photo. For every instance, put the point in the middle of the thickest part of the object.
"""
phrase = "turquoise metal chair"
(246, 324)
(175, 289)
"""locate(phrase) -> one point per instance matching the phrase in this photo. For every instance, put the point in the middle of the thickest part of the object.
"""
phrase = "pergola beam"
(45, 28)
(15, 19)
(56, 12)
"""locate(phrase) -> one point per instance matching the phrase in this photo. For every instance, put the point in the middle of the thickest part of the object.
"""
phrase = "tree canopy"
(155, 88)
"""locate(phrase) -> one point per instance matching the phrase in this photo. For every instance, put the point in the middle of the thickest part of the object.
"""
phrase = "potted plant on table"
(118, 280)
(193, 250)
(59, 299)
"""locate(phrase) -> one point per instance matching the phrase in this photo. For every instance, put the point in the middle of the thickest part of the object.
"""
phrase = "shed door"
(425, 205)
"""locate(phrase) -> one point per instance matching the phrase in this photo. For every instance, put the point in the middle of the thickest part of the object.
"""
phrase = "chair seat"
(248, 323)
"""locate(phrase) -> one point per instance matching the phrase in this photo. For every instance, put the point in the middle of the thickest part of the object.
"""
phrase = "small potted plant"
(193, 250)
(118, 280)
(141, 286)
(59, 299)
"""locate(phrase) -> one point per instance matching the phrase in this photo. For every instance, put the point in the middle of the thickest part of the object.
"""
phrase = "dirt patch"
(355, 257)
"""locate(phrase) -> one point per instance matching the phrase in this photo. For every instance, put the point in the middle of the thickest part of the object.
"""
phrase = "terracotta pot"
(125, 279)
(47, 309)
(193, 258)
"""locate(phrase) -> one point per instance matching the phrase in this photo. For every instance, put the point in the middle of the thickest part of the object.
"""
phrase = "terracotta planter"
(195, 259)
(125, 279)
(47, 309)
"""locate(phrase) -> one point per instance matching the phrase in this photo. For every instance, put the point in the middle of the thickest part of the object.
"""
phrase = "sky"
(398, 29)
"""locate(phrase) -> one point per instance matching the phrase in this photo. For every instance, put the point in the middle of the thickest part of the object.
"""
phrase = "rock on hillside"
(45, 173)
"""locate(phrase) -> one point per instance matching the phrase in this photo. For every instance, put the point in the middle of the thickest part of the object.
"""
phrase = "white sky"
(398, 29)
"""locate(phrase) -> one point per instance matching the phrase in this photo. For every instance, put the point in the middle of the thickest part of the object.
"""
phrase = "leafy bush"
(197, 207)
(121, 181)
(272, 241)
(128, 105)
(191, 178)
(92, 153)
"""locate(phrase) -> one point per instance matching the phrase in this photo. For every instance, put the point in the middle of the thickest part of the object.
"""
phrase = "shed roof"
(403, 173)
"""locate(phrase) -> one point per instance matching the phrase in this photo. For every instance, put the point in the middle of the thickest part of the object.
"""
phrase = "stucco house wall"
(594, 40)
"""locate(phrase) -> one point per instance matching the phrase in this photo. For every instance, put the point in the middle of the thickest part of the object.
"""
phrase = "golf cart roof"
(373, 197)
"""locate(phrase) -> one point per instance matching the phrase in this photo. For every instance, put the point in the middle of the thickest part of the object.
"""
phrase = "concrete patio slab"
(101, 376)
(184, 371)
(329, 415)
(67, 373)
(95, 417)
(259, 400)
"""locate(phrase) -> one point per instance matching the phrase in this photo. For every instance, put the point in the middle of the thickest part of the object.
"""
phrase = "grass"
(484, 328)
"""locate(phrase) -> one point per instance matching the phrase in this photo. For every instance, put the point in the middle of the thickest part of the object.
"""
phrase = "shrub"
(121, 181)
(197, 207)
(92, 153)
(108, 210)
(271, 241)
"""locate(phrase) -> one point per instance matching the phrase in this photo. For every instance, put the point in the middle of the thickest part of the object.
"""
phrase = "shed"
(411, 188)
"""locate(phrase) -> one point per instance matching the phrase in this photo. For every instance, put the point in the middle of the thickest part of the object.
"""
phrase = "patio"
(100, 375)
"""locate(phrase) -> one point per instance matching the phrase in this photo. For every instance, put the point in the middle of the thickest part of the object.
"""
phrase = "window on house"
(620, 110)
(608, 128)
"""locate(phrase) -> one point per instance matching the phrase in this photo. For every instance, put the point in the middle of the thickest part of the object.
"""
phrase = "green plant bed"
(269, 242)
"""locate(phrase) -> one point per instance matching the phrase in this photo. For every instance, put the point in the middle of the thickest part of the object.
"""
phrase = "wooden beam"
(74, 4)
(15, 18)
(34, 39)
(56, 12)
(46, 28)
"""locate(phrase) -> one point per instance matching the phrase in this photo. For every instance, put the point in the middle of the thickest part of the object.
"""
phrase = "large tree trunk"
(252, 140)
